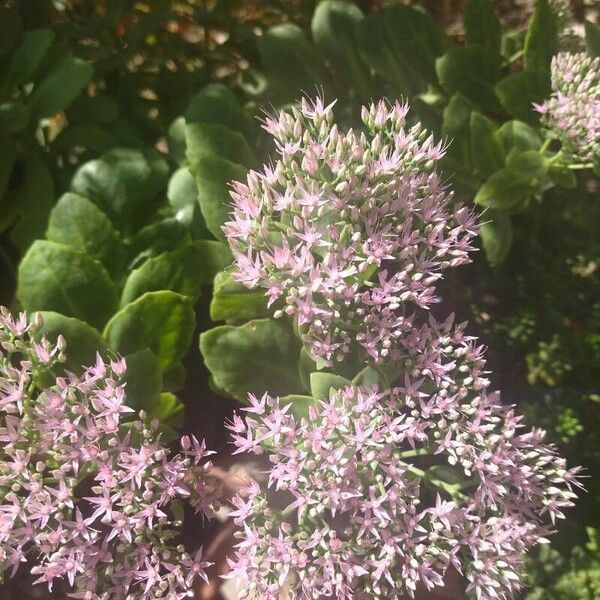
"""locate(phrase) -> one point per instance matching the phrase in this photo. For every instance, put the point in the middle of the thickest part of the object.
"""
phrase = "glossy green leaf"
(496, 235)
(83, 340)
(163, 321)
(464, 69)
(487, 151)
(503, 191)
(417, 41)
(216, 103)
(213, 139)
(334, 25)
(530, 165)
(179, 271)
(77, 222)
(375, 49)
(288, 55)
(322, 383)
(541, 42)
(213, 176)
(29, 54)
(233, 301)
(156, 238)
(482, 27)
(259, 356)
(518, 92)
(516, 135)
(58, 278)
(176, 137)
(144, 380)
(60, 87)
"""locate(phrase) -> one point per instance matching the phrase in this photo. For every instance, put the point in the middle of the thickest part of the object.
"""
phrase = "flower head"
(379, 493)
(348, 230)
(573, 111)
(85, 495)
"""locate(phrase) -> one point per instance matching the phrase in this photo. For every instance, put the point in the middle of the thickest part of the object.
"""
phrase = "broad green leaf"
(174, 377)
(306, 366)
(334, 27)
(288, 55)
(541, 42)
(503, 191)
(487, 150)
(176, 139)
(28, 55)
(213, 176)
(367, 377)
(530, 165)
(518, 92)
(144, 380)
(464, 69)
(83, 341)
(213, 258)
(592, 38)
(322, 383)
(36, 204)
(162, 321)
(156, 238)
(77, 222)
(11, 27)
(205, 140)
(496, 235)
(58, 278)
(60, 87)
(455, 126)
(179, 271)
(375, 49)
(233, 301)
(183, 197)
(259, 356)
(121, 182)
(483, 27)
(518, 135)
(168, 410)
(216, 103)
(99, 109)
(13, 116)
(416, 40)
(300, 404)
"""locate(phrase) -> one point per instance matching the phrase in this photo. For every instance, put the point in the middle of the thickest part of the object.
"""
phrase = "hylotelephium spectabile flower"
(387, 491)
(349, 230)
(573, 111)
(85, 496)
(379, 492)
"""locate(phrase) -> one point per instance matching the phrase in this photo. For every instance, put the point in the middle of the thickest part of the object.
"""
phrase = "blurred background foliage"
(122, 122)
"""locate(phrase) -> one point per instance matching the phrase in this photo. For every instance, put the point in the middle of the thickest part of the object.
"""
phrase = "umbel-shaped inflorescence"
(389, 490)
(380, 492)
(349, 230)
(84, 496)
(573, 111)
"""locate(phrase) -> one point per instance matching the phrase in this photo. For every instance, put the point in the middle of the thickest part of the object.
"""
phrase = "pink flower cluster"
(573, 111)
(348, 229)
(87, 496)
(380, 493)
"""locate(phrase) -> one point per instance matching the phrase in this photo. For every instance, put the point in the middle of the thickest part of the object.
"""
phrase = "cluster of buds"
(573, 111)
(382, 493)
(85, 495)
(348, 230)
